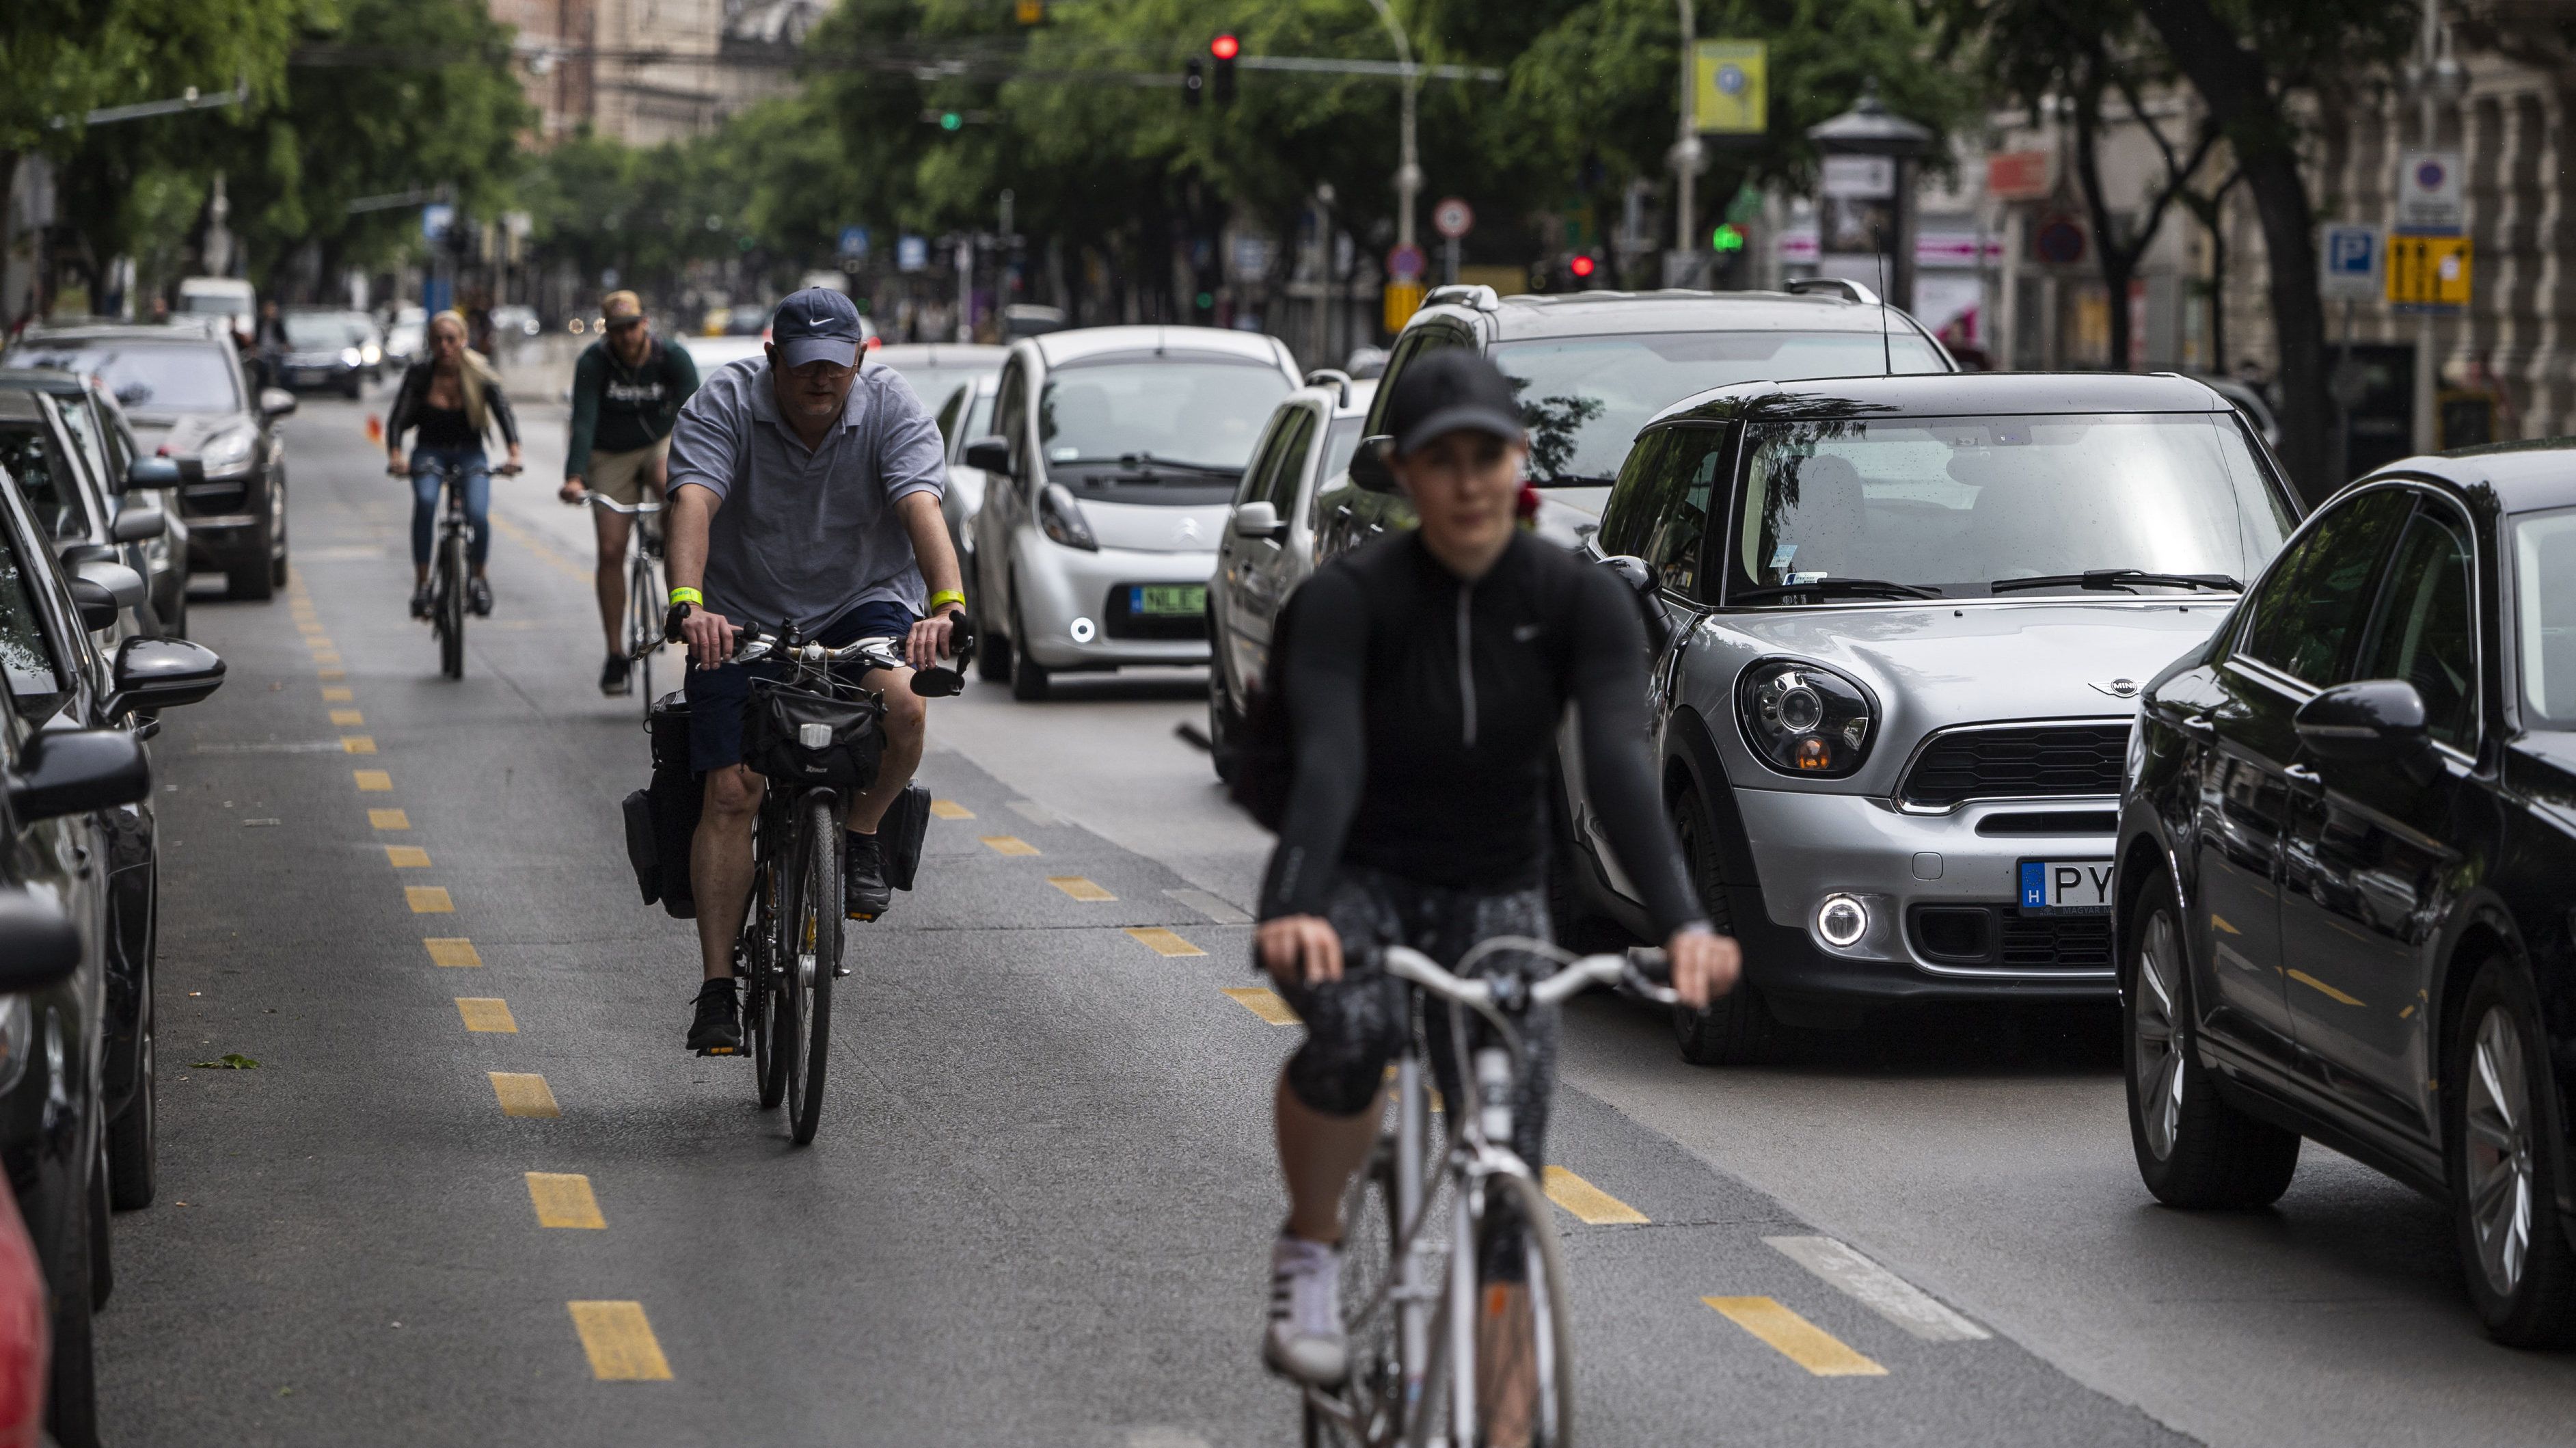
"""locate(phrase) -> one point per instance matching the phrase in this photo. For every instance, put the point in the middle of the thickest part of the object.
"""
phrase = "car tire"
(134, 1137)
(255, 584)
(992, 649)
(71, 1389)
(1738, 1028)
(2502, 1155)
(1029, 678)
(2194, 1150)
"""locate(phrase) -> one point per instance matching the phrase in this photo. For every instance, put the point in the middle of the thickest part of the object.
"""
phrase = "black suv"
(2347, 861)
(185, 391)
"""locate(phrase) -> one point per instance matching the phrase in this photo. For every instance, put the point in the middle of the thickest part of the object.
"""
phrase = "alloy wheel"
(2158, 1057)
(2499, 1152)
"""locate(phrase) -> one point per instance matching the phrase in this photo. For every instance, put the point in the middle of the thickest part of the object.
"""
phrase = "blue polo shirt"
(805, 535)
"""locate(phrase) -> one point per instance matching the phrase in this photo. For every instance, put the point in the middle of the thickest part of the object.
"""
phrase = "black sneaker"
(613, 680)
(864, 891)
(420, 601)
(718, 1029)
(478, 597)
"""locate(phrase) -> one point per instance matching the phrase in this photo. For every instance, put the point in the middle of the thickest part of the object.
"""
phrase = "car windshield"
(314, 331)
(1584, 398)
(1187, 414)
(145, 376)
(214, 304)
(2544, 565)
(1962, 505)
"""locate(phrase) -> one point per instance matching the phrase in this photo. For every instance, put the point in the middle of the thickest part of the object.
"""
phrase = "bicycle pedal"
(721, 1051)
(864, 918)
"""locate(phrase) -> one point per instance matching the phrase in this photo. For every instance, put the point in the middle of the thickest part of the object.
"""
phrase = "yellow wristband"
(688, 595)
(945, 597)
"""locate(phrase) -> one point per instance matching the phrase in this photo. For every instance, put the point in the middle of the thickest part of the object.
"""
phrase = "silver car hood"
(1158, 527)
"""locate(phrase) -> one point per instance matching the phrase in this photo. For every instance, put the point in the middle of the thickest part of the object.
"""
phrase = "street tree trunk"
(2233, 82)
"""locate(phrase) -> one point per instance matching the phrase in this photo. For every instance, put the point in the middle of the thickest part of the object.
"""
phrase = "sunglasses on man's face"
(627, 324)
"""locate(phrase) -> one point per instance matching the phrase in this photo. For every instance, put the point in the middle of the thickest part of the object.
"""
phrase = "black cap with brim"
(1468, 417)
(1451, 389)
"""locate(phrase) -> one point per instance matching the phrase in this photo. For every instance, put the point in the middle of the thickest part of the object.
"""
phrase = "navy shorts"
(717, 696)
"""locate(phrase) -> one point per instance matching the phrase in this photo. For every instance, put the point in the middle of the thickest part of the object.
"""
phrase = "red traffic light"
(1581, 266)
(1225, 47)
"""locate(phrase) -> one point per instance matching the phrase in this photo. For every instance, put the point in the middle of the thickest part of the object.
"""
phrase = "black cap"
(1450, 389)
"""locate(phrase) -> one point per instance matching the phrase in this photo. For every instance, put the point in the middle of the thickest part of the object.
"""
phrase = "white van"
(228, 297)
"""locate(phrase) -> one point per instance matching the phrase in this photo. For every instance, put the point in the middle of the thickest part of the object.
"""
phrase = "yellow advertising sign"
(2429, 271)
(1403, 299)
(1730, 85)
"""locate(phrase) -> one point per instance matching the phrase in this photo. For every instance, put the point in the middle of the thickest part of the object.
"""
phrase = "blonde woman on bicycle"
(452, 399)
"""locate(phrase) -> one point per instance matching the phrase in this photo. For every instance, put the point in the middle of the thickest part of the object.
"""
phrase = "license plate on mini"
(2066, 887)
(1166, 600)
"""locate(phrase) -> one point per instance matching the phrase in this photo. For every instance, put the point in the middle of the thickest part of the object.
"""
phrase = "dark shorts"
(717, 695)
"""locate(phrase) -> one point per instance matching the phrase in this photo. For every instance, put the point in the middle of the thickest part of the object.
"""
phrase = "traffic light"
(1728, 238)
(1225, 48)
(1583, 266)
(950, 120)
(1193, 82)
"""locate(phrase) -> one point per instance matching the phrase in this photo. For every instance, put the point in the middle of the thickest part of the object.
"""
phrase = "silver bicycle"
(644, 607)
(1442, 1352)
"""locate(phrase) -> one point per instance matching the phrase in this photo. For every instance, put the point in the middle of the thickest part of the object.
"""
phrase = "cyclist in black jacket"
(1424, 678)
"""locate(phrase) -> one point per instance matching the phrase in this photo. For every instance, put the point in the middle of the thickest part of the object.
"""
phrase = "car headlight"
(1062, 519)
(229, 448)
(370, 355)
(1805, 719)
(352, 357)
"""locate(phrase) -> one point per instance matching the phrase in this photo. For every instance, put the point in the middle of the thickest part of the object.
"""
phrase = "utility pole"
(1688, 150)
(2437, 77)
(1408, 176)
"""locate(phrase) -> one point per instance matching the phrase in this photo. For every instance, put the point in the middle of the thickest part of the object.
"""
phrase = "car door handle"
(2197, 725)
(2304, 779)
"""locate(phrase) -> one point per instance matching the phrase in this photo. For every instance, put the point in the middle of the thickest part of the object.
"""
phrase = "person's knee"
(1342, 1066)
(907, 714)
(733, 796)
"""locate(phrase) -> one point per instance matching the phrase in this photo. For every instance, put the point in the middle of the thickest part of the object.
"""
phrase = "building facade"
(646, 72)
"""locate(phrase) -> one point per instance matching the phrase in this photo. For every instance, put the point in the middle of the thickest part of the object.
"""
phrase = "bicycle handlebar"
(598, 499)
(755, 643)
(1638, 969)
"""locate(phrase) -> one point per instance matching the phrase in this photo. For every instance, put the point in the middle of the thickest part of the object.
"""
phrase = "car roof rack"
(1464, 294)
(1800, 286)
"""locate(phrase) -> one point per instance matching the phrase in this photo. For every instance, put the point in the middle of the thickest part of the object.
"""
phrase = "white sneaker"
(1304, 1340)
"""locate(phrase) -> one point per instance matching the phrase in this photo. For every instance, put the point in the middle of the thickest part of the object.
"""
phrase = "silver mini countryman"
(1900, 623)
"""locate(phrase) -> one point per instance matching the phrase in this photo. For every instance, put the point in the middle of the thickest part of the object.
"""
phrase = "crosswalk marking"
(487, 1014)
(407, 857)
(388, 819)
(1878, 1289)
(429, 900)
(1795, 1338)
(358, 743)
(453, 950)
(564, 1199)
(619, 1342)
(1263, 1002)
(1590, 1205)
(373, 781)
(523, 1093)
(1079, 888)
(949, 809)
(1163, 942)
(1009, 845)
(347, 718)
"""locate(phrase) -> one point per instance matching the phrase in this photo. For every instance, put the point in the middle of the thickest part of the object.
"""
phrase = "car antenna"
(1886, 352)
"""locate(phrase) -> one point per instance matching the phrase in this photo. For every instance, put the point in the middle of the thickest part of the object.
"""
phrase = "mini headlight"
(1805, 719)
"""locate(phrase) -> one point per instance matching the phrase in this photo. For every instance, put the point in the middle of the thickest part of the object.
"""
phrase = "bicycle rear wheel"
(450, 610)
(811, 952)
(1525, 1345)
(755, 960)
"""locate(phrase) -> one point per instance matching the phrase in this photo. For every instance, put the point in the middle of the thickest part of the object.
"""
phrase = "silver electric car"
(1902, 623)
(1109, 480)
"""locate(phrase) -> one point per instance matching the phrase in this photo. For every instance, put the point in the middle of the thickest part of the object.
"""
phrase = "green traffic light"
(1206, 301)
(950, 120)
(1727, 238)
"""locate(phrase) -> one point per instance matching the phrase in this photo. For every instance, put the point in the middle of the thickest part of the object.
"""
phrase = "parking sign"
(2348, 261)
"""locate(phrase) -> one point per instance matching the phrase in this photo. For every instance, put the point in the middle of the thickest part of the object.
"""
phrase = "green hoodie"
(616, 408)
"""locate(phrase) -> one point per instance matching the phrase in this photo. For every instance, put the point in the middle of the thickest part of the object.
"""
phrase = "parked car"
(1592, 367)
(2347, 861)
(40, 950)
(935, 368)
(54, 442)
(710, 353)
(1270, 544)
(106, 440)
(189, 400)
(964, 417)
(1111, 478)
(745, 319)
(1901, 623)
(335, 350)
(227, 302)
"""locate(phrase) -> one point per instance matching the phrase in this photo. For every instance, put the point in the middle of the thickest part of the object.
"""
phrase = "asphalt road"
(1039, 1207)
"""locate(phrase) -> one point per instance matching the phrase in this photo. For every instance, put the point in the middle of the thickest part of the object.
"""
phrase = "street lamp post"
(2436, 77)
(1408, 175)
(1688, 151)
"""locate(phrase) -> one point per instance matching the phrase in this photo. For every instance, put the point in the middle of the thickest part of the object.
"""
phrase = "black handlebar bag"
(798, 737)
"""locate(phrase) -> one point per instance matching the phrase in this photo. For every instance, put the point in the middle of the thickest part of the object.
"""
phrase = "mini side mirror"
(122, 583)
(145, 475)
(38, 944)
(1368, 465)
(275, 402)
(74, 771)
(1633, 571)
(138, 525)
(990, 454)
(97, 606)
(1640, 578)
(2371, 719)
(164, 673)
(1259, 519)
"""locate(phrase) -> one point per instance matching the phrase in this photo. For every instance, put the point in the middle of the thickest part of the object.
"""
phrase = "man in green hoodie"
(626, 392)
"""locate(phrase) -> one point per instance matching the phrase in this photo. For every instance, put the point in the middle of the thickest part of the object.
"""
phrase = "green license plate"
(1166, 600)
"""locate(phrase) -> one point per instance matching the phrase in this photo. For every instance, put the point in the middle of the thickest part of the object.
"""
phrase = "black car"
(189, 400)
(328, 349)
(2347, 861)
(126, 482)
(81, 522)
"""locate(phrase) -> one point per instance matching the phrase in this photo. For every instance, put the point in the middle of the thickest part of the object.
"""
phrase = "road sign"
(2348, 261)
(2020, 175)
(854, 243)
(1405, 264)
(911, 253)
(2059, 241)
(1403, 299)
(435, 218)
(1453, 217)
(1730, 90)
(2428, 192)
(2429, 271)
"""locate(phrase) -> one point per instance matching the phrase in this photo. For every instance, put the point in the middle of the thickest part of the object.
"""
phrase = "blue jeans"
(478, 500)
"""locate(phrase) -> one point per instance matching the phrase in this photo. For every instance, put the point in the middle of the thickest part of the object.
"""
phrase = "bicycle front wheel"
(756, 961)
(451, 606)
(644, 621)
(1524, 1342)
(811, 953)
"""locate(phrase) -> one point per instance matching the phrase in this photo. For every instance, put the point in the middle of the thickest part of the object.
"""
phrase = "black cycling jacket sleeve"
(406, 402)
(1324, 674)
(1618, 778)
(497, 402)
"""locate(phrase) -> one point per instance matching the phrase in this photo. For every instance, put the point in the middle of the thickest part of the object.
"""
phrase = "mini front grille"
(2017, 762)
(2000, 937)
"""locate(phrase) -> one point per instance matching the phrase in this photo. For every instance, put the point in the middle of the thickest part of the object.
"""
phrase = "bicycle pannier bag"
(796, 737)
(674, 801)
(906, 824)
(640, 844)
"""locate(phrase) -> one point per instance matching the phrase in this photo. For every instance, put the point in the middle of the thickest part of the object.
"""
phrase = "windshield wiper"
(2106, 579)
(1831, 585)
(1146, 459)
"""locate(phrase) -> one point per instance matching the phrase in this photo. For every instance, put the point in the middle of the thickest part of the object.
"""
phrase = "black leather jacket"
(415, 389)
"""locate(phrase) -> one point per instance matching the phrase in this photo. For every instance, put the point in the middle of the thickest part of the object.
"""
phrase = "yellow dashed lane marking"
(1590, 1205)
(563, 1199)
(389, 819)
(949, 809)
(1795, 1338)
(487, 1014)
(1163, 941)
(620, 1342)
(407, 857)
(523, 1093)
(1079, 888)
(1264, 1003)
(429, 900)
(337, 694)
(319, 642)
(347, 718)
(331, 663)
(373, 781)
(452, 950)
(1010, 845)
(358, 743)
(330, 675)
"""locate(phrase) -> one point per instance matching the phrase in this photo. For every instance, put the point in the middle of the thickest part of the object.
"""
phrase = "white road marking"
(1878, 1289)
(1213, 907)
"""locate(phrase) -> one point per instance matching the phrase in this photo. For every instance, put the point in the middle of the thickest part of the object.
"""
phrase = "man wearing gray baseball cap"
(804, 490)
